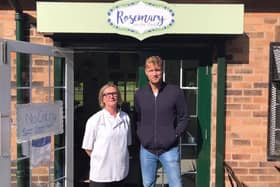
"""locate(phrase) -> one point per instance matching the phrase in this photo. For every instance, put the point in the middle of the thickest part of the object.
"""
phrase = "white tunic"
(108, 138)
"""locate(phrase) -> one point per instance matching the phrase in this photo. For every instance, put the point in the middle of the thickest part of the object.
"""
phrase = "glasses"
(112, 94)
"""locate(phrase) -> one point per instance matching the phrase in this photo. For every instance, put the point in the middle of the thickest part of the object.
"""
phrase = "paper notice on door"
(37, 120)
(41, 151)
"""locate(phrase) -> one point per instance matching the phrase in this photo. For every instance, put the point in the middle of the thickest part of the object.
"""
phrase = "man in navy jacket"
(161, 117)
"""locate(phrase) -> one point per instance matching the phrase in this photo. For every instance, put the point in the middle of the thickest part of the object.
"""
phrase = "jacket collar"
(162, 86)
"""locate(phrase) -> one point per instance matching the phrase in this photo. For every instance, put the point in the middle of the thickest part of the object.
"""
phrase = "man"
(161, 117)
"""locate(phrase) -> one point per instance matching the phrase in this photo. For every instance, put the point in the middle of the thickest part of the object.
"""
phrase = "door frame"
(6, 48)
(204, 120)
(4, 118)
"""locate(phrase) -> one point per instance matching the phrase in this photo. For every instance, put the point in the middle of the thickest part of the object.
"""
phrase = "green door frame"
(220, 123)
(58, 139)
(204, 122)
(22, 63)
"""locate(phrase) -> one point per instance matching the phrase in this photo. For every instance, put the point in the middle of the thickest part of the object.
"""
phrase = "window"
(274, 113)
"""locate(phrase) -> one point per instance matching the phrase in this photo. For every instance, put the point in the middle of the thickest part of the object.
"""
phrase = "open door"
(192, 72)
(30, 74)
(5, 162)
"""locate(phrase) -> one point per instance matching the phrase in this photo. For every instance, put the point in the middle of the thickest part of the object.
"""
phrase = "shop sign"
(141, 17)
(37, 120)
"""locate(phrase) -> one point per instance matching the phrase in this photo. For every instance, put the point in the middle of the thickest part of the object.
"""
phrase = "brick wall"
(7, 24)
(247, 101)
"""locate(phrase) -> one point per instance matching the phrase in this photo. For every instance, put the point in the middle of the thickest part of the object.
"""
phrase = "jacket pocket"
(145, 135)
(166, 137)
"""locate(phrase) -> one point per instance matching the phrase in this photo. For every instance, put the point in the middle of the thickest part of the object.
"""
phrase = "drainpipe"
(19, 25)
(23, 173)
(220, 123)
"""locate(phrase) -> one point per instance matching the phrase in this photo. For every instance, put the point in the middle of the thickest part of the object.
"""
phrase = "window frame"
(272, 80)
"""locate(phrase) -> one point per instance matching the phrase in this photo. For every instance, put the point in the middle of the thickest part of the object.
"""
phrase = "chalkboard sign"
(37, 120)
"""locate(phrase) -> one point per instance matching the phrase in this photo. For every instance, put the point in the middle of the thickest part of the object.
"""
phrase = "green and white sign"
(139, 18)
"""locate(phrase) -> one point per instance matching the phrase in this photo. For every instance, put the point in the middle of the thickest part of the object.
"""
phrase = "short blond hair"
(101, 94)
(155, 60)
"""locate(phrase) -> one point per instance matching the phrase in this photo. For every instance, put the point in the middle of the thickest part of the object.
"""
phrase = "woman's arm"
(88, 152)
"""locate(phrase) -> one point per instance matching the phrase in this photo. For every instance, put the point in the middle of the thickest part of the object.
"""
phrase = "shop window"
(274, 113)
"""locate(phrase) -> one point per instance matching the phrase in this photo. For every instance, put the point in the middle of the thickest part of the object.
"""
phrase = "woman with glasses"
(106, 138)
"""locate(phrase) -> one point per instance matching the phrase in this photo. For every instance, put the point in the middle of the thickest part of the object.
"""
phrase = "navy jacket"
(160, 120)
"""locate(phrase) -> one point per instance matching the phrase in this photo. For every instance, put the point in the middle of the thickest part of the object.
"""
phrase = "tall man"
(161, 117)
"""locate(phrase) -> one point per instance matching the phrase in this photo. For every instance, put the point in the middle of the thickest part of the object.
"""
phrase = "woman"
(106, 138)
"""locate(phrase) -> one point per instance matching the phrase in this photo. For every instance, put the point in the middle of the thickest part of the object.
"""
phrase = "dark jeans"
(107, 184)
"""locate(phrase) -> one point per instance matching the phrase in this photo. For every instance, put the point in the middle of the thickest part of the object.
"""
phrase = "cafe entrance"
(189, 67)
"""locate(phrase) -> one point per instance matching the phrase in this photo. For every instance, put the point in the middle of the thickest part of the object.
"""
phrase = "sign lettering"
(141, 17)
(38, 120)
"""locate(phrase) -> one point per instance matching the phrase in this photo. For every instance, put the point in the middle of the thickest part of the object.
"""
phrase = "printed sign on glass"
(37, 120)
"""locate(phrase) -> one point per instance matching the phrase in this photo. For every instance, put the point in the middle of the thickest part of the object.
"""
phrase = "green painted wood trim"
(220, 127)
(204, 122)
(142, 79)
(19, 57)
(22, 65)
(58, 139)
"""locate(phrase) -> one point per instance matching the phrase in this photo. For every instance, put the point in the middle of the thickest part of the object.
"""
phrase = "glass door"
(5, 162)
(35, 74)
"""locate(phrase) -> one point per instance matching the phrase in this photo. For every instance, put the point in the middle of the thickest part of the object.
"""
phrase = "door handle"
(2, 153)
(1, 135)
(3, 52)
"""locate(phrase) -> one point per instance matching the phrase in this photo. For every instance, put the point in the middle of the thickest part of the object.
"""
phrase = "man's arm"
(137, 113)
(182, 113)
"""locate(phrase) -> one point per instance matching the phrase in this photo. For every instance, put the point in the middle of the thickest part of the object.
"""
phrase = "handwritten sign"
(37, 120)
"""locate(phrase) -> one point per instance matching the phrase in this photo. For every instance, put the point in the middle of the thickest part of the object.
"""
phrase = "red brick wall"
(247, 101)
(7, 24)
